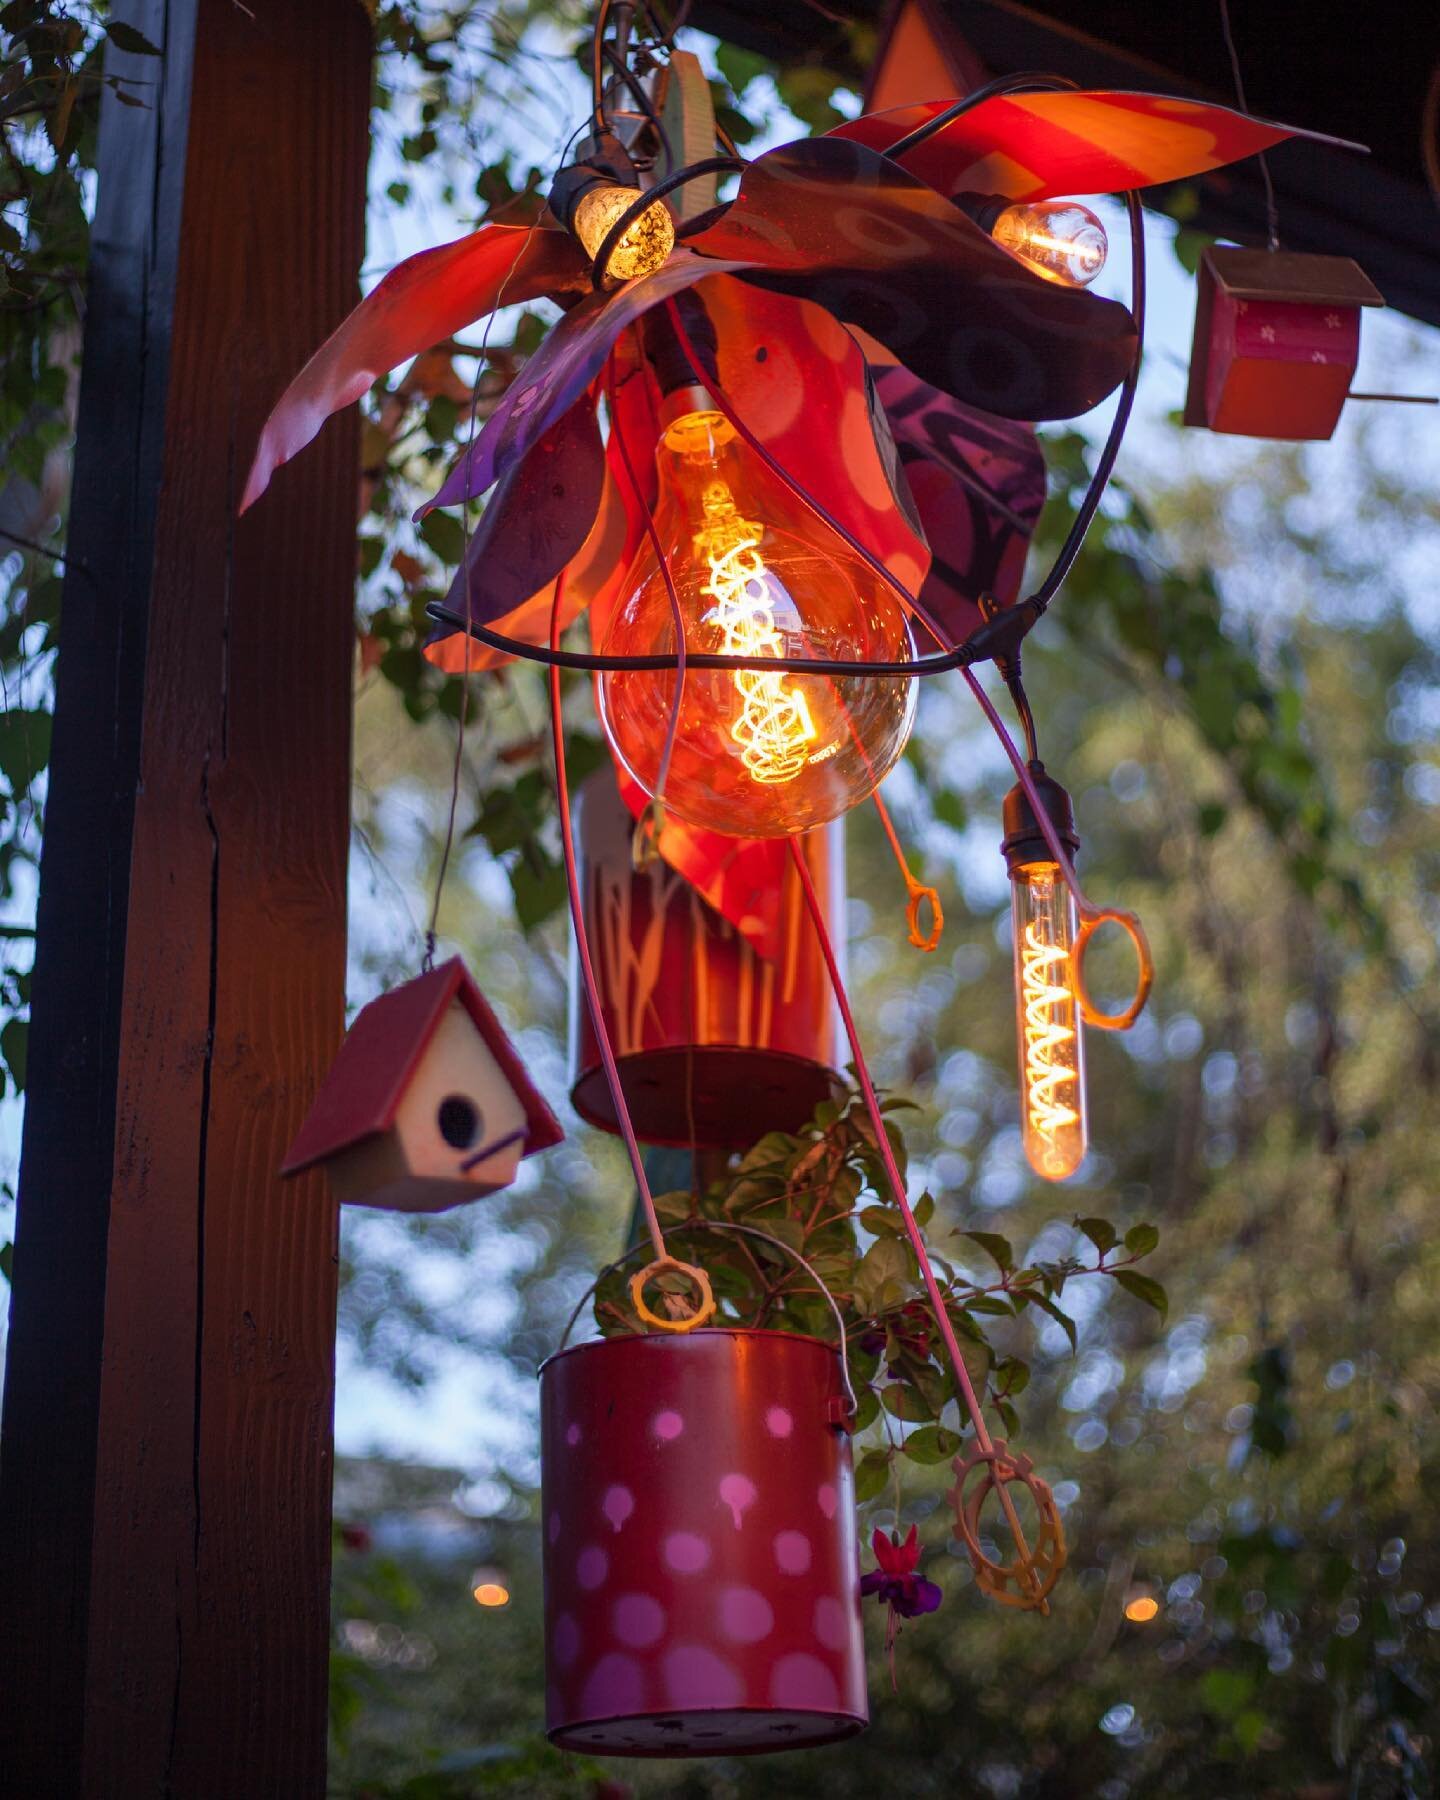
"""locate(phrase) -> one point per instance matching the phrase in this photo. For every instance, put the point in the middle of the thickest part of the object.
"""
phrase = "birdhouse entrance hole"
(459, 1121)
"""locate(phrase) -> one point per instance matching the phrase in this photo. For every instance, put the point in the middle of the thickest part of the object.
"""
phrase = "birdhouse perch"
(427, 1104)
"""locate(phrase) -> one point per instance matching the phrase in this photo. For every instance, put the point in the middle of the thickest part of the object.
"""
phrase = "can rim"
(689, 1337)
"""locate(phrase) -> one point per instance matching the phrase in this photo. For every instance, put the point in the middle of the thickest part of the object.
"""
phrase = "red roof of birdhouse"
(362, 1093)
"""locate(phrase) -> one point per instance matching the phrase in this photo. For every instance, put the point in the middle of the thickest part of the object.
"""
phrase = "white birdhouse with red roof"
(427, 1105)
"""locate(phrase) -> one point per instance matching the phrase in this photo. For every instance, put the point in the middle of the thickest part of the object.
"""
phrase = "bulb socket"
(664, 352)
(1024, 842)
(608, 165)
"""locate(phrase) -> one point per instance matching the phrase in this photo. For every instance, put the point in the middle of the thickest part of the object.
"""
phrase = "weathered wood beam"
(165, 1461)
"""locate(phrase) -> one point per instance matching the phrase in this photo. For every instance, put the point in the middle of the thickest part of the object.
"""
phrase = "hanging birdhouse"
(427, 1104)
(701, 1590)
(1277, 338)
(717, 1043)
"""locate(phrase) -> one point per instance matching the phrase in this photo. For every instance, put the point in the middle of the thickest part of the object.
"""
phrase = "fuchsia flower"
(895, 1581)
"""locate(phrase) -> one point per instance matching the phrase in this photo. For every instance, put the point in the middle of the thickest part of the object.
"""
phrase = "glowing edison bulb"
(644, 245)
(757, 754)
(1060, 239)
(1052, 1051)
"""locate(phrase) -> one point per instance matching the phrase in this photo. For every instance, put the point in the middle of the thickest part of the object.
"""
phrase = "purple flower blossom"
(895, 1581)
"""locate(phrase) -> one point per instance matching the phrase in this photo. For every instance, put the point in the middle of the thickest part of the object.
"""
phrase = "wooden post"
(166, 1463)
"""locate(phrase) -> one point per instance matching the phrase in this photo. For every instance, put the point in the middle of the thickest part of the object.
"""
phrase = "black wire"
(647, 105)
(1002, 84)
(980, 646)
(1099, 480)
(597, 75)
(708, 165)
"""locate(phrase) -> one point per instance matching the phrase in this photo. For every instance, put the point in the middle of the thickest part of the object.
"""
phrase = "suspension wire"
(582, 945)
(912, 1230)
(656, 808)
(1272, 211)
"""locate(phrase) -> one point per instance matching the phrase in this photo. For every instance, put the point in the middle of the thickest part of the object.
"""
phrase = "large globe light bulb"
(757, 754)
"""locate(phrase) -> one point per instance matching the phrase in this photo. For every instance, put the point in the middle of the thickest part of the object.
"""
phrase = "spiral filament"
(1051, 1053)
(774, 729)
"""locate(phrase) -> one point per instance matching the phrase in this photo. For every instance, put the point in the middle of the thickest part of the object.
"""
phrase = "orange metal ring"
(664, 1265)
(1089, 923)
(918, 896)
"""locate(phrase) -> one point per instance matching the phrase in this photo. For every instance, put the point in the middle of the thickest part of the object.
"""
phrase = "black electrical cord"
(1002, 84)
(1100, 479)
(643, 100)
(994, 637)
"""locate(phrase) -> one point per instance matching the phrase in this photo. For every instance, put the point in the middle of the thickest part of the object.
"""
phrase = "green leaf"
(445, 535)
(931, 1444)
(871, 1474)
(882, 1221)
(1145, 1288)
(7, 1260)
(1100, 1232)
(24, 746)
(997, 1248)
(924, 1210)
(739, 67)
(539, 889)
(126, 37)
(902, 1401)
(1140, 1240)
(1048, 1306)
(889, 1260)
(14, 1047)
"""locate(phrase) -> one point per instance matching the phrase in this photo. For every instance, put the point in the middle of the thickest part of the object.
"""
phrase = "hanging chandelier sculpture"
(777, 452)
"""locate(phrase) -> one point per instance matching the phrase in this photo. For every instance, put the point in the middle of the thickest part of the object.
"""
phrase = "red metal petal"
(537, 520)
(979, 485)
(834, 222)
(1031, 146)
(421, 301)
(797, 378)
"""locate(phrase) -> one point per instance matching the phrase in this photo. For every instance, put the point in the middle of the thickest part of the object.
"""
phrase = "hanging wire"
(1272, 211)
(912, 1229)
(655, 811)
(582, 945)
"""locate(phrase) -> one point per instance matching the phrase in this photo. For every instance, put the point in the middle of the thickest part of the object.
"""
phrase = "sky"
(465, 1416)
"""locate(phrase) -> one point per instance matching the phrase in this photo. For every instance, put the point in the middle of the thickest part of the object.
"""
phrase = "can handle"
(660, 1266)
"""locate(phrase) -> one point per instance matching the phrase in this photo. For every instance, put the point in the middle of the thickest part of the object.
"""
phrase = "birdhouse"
(427, 1104)
(1277, 338)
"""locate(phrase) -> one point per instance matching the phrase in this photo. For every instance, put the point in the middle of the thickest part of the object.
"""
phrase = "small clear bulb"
(1059, 239)
(644, 245)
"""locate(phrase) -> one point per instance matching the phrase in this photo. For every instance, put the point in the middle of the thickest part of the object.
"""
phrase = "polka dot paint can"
(702, 1587)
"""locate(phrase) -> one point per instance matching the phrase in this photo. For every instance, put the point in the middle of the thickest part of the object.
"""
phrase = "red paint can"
(702, 1585)
(716, 1044)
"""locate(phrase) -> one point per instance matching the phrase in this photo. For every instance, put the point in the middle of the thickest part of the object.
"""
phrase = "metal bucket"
(702, 1590)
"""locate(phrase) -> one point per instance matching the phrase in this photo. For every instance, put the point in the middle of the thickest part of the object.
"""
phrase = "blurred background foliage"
(1240, 688)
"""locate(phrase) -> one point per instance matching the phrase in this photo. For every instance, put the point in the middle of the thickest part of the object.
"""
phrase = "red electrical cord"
(582, 942)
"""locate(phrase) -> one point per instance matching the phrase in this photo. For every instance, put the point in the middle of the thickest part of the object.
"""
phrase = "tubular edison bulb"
(644, 246)
(1060, 239)
(1052, 1055)
(757, 754)
(1047, 1018)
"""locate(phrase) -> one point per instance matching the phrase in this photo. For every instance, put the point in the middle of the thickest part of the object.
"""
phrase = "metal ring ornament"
(919, 894)
(665, 1265)
(1090, 922)
(1028, 1580)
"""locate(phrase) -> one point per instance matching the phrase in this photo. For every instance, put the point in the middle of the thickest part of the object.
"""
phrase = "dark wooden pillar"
(165, 1461)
